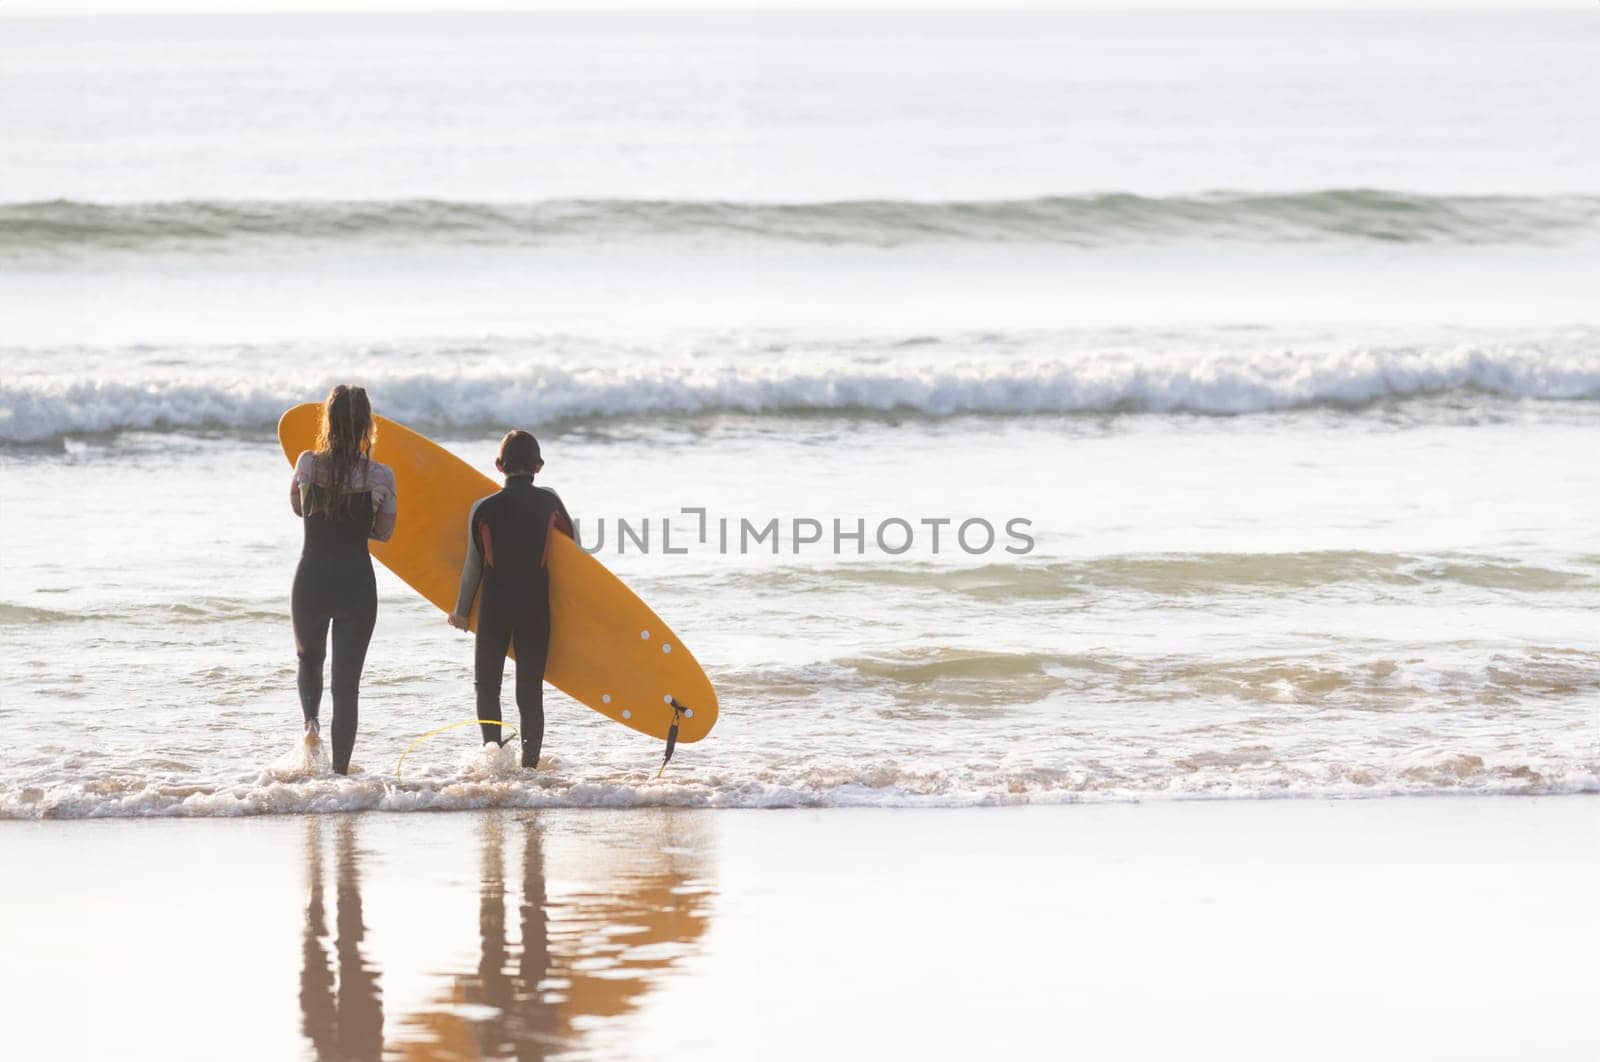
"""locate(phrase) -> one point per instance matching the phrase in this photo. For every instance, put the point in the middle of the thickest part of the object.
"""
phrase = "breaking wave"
(1361, 215)
(33, 411)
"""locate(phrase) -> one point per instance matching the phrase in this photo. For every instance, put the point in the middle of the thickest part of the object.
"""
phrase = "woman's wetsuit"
(333, 585)
(507, 544)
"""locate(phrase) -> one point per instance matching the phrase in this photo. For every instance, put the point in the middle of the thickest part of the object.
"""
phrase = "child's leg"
(533, 644)
(489, 668)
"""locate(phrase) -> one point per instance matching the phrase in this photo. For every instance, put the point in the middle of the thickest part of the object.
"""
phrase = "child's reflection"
(518, 1014)
(525, 1017)
(594, 952)
(343, 1016)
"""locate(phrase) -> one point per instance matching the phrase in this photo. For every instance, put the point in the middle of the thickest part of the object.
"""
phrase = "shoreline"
(1320, 927)
(325, 796)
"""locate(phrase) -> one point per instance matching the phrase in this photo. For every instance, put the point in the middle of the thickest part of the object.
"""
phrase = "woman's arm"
(388, 504)
(304, 469)
(471, 575)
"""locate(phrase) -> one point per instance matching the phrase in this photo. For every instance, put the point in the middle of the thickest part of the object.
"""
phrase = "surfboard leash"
(672, 735)
(400, 763)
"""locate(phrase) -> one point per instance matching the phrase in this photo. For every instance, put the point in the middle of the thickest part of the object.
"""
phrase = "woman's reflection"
(342, 1016)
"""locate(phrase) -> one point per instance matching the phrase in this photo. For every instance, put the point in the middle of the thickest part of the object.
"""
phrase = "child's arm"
(560, 520)
(471, 575)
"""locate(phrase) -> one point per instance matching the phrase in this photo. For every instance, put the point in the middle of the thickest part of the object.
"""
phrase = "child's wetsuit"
(333, 585)
(508, 543)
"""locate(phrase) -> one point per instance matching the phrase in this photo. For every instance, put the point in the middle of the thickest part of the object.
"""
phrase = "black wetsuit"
(334, 584)
(510, 533)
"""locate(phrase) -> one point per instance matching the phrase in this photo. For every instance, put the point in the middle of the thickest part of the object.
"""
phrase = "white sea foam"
(482, 783)
(304, 760)
(40, 409)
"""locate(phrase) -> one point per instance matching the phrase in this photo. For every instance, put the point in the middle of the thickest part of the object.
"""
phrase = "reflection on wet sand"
(589, 953)
(589, 941)
(343, 1017)
(496, 1012)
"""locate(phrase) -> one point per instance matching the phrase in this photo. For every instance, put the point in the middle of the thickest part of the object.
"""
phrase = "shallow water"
(1325, 631)
(1291, 433)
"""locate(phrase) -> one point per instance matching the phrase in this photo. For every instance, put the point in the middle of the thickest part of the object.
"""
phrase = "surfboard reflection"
(574, 927)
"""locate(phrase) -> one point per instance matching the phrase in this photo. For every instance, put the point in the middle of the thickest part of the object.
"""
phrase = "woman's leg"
(352, 632)
(310, 617)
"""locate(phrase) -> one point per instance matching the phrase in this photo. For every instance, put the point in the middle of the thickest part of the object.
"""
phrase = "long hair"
(345, 437)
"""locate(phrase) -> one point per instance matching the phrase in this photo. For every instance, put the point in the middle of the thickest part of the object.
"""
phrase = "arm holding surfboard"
(471, 576)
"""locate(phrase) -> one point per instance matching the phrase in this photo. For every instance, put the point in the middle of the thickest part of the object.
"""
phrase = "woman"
(345, 498)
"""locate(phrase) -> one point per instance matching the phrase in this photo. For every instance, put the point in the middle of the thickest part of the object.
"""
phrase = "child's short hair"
(519, 452)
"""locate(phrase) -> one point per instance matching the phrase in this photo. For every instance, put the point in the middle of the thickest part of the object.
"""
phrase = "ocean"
(1127, 407)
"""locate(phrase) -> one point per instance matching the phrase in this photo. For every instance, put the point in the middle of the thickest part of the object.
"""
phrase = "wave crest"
(1361, 215)
(36, 411)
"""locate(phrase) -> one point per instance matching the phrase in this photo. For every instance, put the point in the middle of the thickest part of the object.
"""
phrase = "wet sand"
(1463, 928)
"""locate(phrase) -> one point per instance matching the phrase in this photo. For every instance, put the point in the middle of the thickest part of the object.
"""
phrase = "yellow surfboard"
(607, 648)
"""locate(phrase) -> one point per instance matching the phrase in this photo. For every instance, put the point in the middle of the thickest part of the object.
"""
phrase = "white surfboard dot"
(666, 647)
(667, 699)
(627, 714)
(688, 713)
(605, 698)
(644, 634)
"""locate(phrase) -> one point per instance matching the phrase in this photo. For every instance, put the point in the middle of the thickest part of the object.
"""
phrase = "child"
(508, 545)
